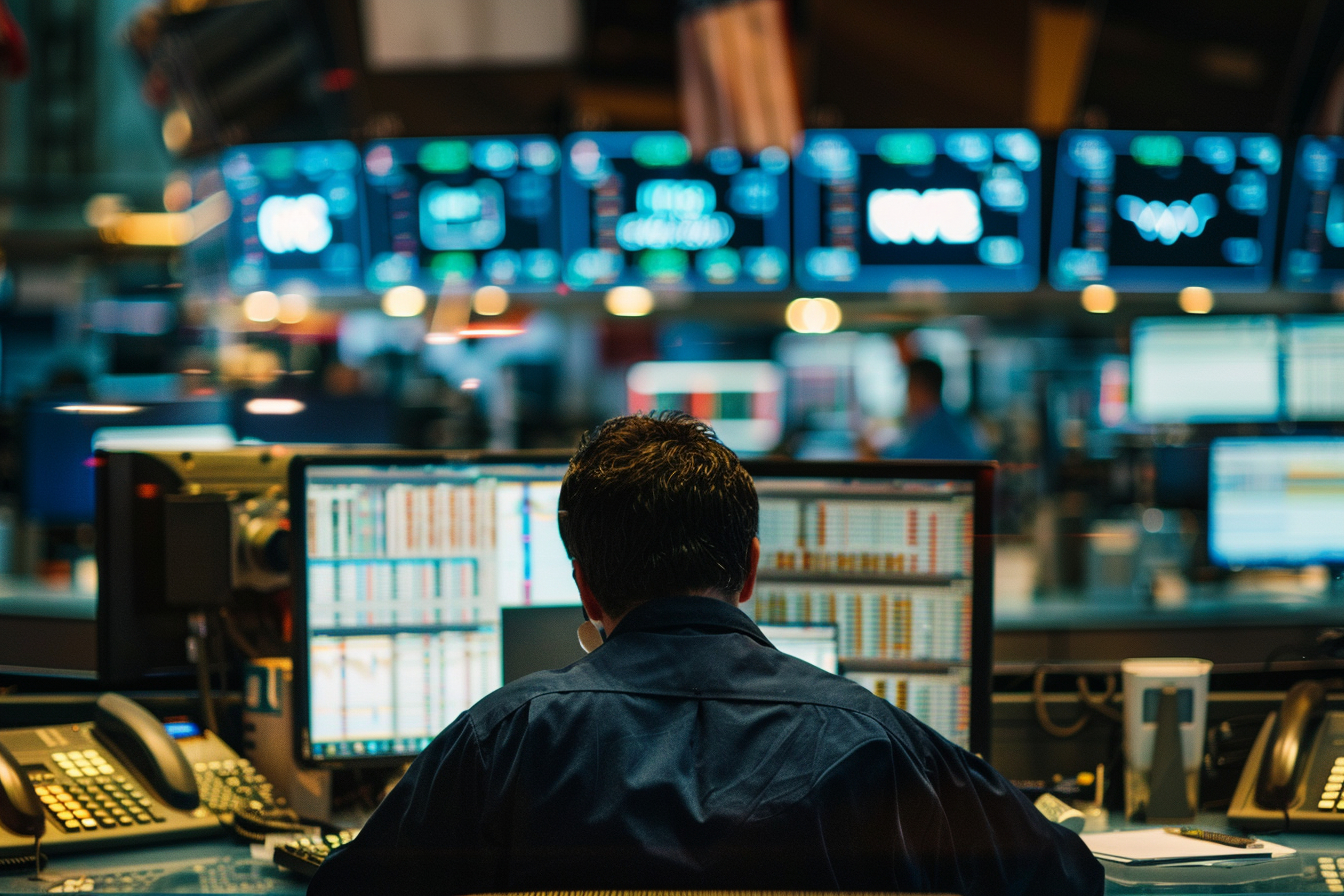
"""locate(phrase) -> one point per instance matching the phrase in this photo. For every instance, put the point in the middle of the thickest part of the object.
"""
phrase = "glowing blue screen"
(638, 210)
(878, 210)
(467, 210)
(297, 216)
(1313, 234)
(1156, 212)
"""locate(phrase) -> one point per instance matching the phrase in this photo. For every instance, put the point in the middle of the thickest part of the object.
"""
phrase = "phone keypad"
(1330, 869)
(1332, 797)
(93, 800)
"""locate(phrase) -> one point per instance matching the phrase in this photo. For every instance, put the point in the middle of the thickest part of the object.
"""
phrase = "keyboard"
(306, 854)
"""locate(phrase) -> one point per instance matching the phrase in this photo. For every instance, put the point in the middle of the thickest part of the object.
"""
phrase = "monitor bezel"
(979, 474)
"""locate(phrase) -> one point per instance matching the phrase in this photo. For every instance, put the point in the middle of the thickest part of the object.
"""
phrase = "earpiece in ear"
(590, 637)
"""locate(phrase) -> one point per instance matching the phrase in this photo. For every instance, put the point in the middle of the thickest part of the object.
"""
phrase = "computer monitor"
(1313, 367)
(463, 212)
(1205, 371)
(1276, 501)
(1156, 212)
(817, 644)
(924, 210)
(897, 557)
(1313, 230)
(637, 210)
(406, 561)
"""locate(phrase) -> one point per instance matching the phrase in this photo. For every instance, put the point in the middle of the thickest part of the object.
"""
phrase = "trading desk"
(224, 866)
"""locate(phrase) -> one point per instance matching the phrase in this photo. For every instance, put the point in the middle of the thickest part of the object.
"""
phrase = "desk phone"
(120, 781)
(1294, 775)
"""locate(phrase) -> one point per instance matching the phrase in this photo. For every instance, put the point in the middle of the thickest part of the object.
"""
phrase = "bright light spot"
(1196, 300)
(1098, 298)
(629, 301)
(1153, 520)
(177, 131)
(99, 408)
(812, 315)
(293, 308)
(104, 210)
(1158, 221)
(898, 216)
(490, 300)
(262, 306)
(177, 193)
(470, 384)
(439, 337)
(294, 223)
(281, 406)
(403, 301)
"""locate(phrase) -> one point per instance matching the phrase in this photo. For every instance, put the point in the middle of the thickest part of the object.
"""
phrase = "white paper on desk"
(1154, 846)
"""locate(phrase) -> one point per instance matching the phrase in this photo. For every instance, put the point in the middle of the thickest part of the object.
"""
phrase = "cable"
(1098, 704)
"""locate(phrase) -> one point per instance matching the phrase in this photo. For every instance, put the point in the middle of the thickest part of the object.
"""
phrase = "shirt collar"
(702, 614)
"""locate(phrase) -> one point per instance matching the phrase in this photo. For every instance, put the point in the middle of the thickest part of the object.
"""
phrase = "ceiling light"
(815, 315)
(283, 406)
(490, 301)
(629, 301)
(404, 301)
(261, 306)
(1098, 299)
(1196, 300)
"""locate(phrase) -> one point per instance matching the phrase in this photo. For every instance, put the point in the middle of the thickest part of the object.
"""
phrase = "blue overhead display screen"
(465, 211)
(1313, 234)
(637, 210)
(878, 210)
(296, 216)
(1157, 212)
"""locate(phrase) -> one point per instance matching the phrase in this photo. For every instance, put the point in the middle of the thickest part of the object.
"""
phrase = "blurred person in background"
(932, 432)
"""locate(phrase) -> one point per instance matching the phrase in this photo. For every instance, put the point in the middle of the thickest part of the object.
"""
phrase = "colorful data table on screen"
(942, 210)
(1313, 234)
(742, 400)
(638, 210)
(1157, 212)
(467, 211)
(297, 217)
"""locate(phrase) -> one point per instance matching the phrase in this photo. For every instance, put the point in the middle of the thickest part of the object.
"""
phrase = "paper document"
(1154, 846)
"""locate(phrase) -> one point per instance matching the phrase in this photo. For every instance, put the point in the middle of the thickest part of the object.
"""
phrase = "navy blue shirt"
(940, 435)
(688, 753)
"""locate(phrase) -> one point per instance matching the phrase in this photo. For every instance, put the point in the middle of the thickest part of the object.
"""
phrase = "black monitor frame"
(979, 474)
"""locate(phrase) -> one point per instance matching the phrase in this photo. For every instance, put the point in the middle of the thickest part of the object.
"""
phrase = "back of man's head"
(656, 506)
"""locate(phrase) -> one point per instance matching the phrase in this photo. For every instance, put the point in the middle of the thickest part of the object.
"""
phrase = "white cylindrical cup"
(1144, 681)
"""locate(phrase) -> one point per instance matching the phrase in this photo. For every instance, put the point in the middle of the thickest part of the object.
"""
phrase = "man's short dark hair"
(656, 506)
(927, 374)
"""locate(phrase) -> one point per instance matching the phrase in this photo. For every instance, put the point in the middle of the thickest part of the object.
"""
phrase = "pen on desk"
(1215, 837)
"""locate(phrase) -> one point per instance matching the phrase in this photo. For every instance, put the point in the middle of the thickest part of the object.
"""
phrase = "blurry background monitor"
(1209, 370)
(1158, 212)
(1313, 367)
(816, 644)
(880, 210)
(1276, 501)
(408, 561)
(1313, 231)
(742, 400)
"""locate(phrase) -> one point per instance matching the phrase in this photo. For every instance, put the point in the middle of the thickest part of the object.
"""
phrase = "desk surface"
(221, 866)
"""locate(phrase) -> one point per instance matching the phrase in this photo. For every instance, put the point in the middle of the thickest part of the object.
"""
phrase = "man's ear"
(589, 600)
(753, 560)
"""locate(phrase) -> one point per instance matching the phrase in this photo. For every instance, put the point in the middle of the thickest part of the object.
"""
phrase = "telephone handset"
(1294, 774)
(117, 781)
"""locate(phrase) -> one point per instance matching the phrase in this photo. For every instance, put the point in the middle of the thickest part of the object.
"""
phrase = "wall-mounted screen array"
(639, 211)
(938, 210)
(1237, 369)
(1276, 502)
(1156, 212)
(854, 211)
